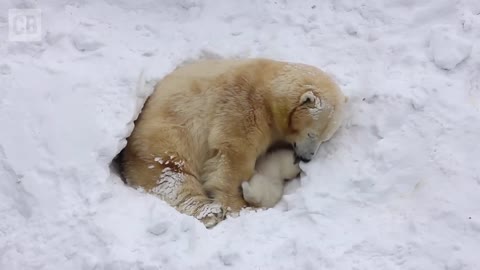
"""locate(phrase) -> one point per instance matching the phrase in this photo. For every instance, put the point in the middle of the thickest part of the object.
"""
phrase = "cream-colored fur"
(206, 123)
(265, 188)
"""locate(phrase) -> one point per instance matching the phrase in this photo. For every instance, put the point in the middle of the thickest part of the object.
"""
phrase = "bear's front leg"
(223, 176)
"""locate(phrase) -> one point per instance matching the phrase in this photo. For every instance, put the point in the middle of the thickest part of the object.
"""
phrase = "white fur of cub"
(265, 188)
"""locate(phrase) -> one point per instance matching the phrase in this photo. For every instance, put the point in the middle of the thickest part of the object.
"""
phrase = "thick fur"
(206, 123)
(265, 188)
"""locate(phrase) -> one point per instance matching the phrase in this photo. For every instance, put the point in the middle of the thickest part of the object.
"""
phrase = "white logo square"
(24, 25)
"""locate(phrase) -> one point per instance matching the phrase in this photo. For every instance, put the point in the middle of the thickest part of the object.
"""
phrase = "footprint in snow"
(84, 43)
(5, 69)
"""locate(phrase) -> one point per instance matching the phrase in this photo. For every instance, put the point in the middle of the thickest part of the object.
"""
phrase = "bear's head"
(315, 108)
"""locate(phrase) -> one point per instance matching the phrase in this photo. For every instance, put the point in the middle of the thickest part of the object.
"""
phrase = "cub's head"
(315, 111)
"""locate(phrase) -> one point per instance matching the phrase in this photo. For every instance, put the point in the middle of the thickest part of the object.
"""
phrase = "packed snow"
(398, 187)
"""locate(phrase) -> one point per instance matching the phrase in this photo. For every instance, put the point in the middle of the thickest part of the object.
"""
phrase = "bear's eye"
(311, 135)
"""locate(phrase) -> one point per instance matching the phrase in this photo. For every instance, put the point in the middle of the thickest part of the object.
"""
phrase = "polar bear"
(206, 123)
(265, 188)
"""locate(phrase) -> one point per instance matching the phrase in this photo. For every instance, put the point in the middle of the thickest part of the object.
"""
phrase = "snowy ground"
(397, 188)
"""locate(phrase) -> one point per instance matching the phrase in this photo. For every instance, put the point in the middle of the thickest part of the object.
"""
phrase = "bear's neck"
(280, 116)
(276, 106)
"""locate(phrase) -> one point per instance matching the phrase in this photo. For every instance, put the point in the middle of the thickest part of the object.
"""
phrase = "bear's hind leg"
(169, 178)
(190, 199)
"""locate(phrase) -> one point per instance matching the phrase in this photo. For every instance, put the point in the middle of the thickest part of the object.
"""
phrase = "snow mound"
(448, 48)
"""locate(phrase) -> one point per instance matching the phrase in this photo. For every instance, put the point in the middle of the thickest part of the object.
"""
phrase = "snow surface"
(397, 188)
(447, 48)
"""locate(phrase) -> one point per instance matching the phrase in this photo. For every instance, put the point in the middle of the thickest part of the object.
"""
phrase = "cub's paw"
(245, 188)
(248, 194)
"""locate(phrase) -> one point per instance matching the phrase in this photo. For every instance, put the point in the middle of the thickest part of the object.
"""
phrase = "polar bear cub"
(265, 188)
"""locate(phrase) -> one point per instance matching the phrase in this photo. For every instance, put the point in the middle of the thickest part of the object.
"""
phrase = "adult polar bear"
(206, 123)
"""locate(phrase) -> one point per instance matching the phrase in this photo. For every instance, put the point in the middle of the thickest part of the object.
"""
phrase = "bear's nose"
(306, 160)
(300, 158)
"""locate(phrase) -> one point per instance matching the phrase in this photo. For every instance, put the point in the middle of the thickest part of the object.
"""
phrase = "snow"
(396, 188)
(447, 48)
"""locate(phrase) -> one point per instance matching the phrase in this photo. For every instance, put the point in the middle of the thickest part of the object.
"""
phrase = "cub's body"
(265, 188)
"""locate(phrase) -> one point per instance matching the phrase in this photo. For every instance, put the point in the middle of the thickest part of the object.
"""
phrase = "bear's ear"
(311, 101)
(307, 98)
